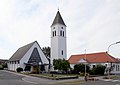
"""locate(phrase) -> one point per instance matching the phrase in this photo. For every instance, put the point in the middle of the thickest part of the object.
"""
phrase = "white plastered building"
(28, 57)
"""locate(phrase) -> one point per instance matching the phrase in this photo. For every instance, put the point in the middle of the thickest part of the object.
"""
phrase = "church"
(30, 56)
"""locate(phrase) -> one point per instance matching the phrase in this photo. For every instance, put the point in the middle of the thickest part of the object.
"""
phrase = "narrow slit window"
(63, 33)
(62, 52)
(60, 33)
(55, 33)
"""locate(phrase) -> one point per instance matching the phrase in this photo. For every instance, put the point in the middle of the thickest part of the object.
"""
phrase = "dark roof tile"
(21, 52)
(58, 19)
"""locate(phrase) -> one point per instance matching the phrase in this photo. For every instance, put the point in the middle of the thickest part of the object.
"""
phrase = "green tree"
(61, 65)
(46, 51)
(81, 68)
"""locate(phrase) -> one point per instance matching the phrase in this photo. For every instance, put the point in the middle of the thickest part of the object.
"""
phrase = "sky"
(91, 24)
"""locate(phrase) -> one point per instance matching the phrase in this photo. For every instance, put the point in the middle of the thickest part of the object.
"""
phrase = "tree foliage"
(46, 51)
(81, 68)
(61, 65)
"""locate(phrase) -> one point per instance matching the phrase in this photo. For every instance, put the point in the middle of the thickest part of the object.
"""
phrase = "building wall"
(13, 66)
(116, 69)
(58, 42)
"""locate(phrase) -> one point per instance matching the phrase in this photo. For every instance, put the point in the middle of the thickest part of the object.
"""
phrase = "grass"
(45, 75)
(115, 76)
(71, 82)
(112, 77)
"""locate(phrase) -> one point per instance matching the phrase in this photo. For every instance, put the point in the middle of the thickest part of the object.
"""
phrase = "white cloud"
(91, 24)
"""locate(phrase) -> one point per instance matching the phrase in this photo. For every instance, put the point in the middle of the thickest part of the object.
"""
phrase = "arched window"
(60, 33)
(63, 33)
(53, 33)
(62, 52)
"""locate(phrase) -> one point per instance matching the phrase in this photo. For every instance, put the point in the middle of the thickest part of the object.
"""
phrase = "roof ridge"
(89, 53)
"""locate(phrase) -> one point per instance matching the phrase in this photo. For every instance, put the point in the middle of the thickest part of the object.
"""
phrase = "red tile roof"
(100, 57)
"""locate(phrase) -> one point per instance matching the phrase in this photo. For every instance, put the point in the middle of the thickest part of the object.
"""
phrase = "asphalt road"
(8, 78)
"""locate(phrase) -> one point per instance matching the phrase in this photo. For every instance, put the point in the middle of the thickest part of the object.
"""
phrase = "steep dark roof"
(21, 52)
(58, 19)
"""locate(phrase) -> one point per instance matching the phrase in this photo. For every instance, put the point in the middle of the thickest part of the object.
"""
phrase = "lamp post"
(85, 67)
(110, 57)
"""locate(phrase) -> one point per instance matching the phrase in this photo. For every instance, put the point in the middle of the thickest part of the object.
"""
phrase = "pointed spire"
(58, 19)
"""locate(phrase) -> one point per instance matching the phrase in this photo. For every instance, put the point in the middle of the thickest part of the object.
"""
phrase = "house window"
(93, 66)
(62, 52)
(15, 62)
(116, 68)
(60, 33)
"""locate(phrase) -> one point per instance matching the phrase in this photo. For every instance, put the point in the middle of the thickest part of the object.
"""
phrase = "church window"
(60, 33)
(63, 33)
(55, 33)
(54, 28)
(62, 52)
(61, 27)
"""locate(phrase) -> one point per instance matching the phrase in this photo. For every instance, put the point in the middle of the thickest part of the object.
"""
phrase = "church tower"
(58, 38)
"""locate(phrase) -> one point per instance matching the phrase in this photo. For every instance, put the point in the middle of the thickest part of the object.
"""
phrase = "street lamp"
(110, 57)
(111, 45)
(85, 67)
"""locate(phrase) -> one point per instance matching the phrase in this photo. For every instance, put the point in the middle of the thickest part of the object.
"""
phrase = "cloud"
(91, 24)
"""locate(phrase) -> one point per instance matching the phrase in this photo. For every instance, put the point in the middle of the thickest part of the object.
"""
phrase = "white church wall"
(58, 42)
(28, 54)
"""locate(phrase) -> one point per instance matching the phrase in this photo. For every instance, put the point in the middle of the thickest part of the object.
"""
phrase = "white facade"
(115, 70)
(58, 42)
(13, 65)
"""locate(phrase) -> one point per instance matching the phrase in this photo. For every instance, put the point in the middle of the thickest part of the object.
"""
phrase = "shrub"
(19, 69)
(98, 70)
(5, 65)
(80, 68)
(1, 67)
